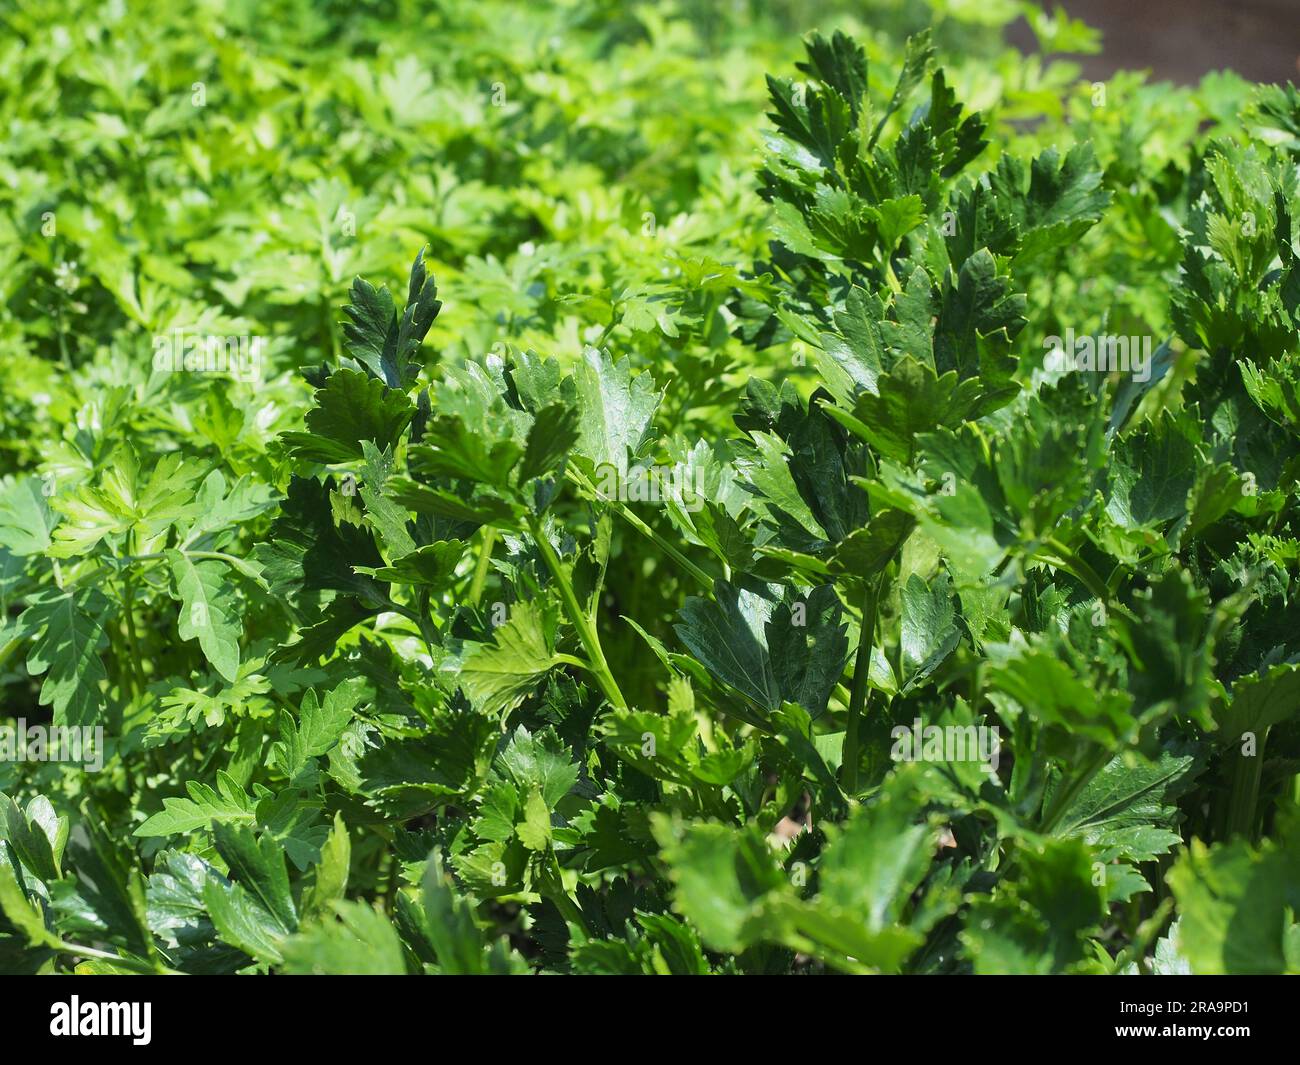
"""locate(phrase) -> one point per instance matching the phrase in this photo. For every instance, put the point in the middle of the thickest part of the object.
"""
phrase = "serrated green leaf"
(209, 610)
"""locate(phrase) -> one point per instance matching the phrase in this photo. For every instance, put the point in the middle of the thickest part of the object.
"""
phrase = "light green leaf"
(499, 676)
(209, 610)
(70, 633)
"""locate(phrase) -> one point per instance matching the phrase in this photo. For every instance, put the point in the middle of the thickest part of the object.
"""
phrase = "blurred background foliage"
(579, 170)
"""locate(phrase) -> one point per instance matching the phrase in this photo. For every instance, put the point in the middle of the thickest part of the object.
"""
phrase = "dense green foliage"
(699, 559)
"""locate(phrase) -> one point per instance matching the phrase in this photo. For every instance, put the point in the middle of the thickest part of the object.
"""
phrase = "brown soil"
(1180, 40)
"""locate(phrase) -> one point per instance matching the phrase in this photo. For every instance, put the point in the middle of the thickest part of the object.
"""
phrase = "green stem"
(554, 890)
(1072, 563)
(64, 357)
(614, 319)
(633, 519)
(672, 552)
(861, 671)
(484, 562)
(573, 660)
(891, 278)
(578, 616)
